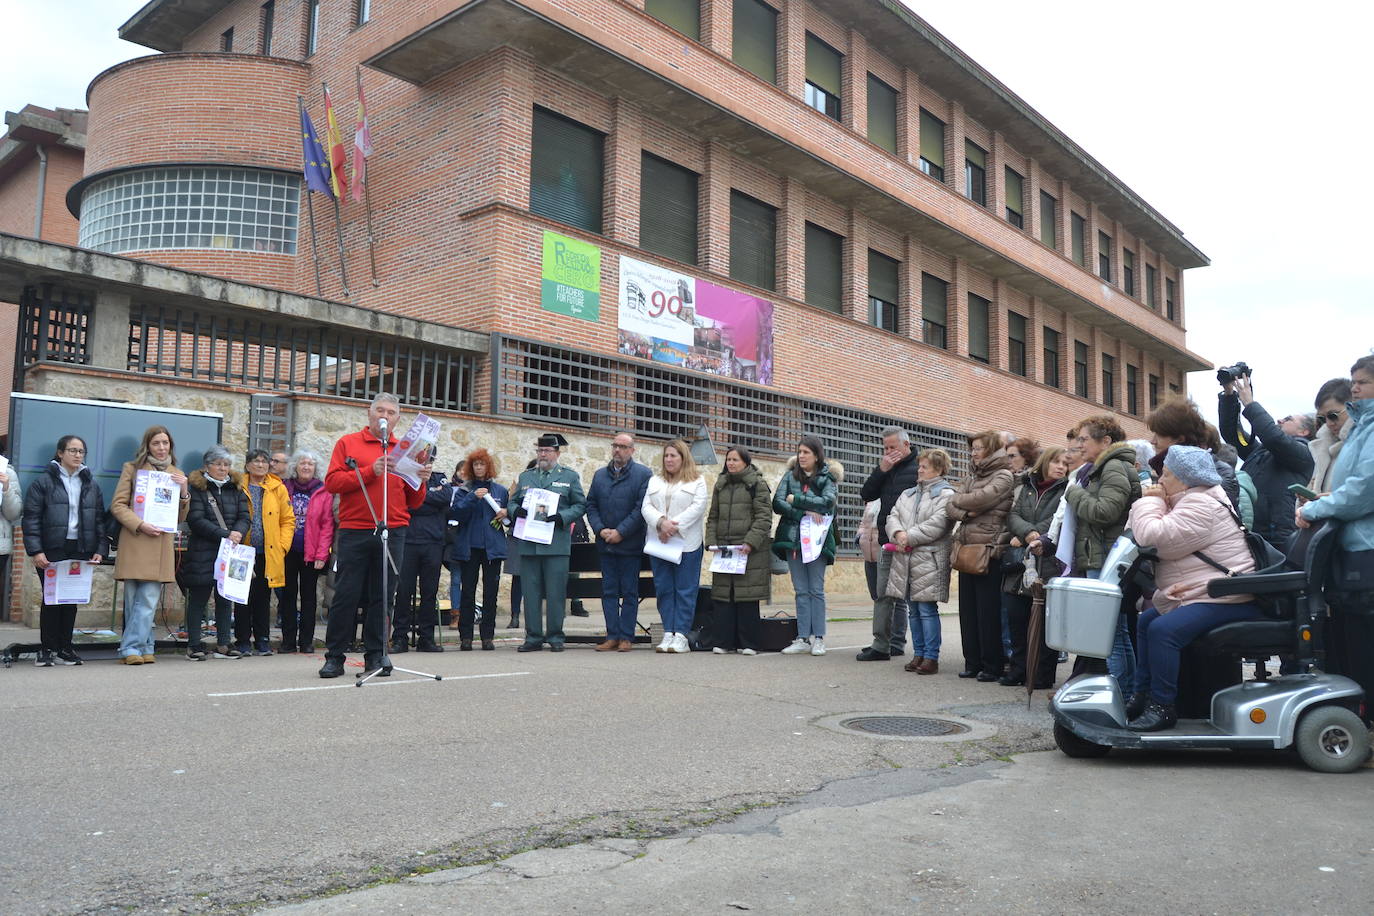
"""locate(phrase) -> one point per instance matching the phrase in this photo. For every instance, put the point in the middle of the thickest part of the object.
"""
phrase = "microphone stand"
(385, 667)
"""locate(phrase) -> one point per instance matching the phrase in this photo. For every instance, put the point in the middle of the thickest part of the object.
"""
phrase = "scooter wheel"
(1074, 746)
(1332, 739)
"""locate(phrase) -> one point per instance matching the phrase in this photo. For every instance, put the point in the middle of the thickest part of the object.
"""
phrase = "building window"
(1015, 190)
(226, 40)
(978, 346)
(1104, 256)
(667, 209)
(191, 207)
(1080, 368)
(753, 240)
(1154, 391)
(1173, 389)
(882, 114)
(312, 26)
(934, 310)
(976, 173)
(1050, 356)
(1132, 389)
(1151, 287)
(267, 15)
(755, 39)
(1049, 220)
(362, 12)
(823, 77)
(1016, 343)
(1108, 380)
(1077, 230)
(1128, 271)
(824, 268)
(566, 170)
(1170, 311)
(683, 15)
(882, 291)
(932, 146)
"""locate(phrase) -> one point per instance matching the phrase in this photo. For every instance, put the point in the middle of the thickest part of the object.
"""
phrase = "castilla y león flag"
(362, 144)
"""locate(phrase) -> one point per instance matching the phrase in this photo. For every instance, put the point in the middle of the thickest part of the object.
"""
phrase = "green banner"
(571, 278)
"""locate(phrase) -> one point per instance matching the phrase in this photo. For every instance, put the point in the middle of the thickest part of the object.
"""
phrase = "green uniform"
(544, 567)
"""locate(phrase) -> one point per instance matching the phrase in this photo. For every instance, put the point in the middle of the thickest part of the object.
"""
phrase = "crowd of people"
(1023, 513)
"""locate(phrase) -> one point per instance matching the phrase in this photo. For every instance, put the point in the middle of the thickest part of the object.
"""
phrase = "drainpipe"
(42, 186)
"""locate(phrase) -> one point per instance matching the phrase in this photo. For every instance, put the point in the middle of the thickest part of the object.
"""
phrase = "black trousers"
(490, 571)
(735, 624)
(56, 621)
(1018, 619)
(253, 627)
(298, 602)
(420, 564)
(980, 621)
(359, 582)
(197, 597)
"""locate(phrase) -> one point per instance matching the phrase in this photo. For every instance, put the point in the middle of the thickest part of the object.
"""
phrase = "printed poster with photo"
(676, 319)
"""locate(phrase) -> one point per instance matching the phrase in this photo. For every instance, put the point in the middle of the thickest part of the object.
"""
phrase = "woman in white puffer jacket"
(1185, 517)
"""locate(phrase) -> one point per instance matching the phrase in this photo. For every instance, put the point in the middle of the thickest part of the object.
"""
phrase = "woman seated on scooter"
(1187, 518)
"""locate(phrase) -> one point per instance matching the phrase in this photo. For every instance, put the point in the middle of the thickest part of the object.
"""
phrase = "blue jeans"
(620, 594)
(808, 580)
(1121, 663)
(1163, 636)
(140, 601)
(675, 585)
(924, 617)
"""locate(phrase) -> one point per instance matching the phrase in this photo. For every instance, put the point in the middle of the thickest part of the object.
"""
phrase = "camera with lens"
(1228, 374)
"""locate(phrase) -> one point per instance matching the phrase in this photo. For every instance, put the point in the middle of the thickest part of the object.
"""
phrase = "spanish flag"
(338, 159)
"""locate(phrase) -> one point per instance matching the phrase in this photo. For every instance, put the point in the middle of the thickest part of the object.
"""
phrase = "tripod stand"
(384, 667)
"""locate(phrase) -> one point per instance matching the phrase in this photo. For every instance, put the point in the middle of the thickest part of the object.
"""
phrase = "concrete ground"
(626, 783)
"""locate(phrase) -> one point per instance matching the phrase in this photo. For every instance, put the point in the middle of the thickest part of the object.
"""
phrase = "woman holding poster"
(738, 522)
(218, 512)
(805, 501)
(145, 560)
(64, 519)
(674, 511)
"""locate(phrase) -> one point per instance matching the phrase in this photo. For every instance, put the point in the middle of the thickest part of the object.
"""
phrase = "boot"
(464, 645)
(1136, 705)
(577, 610)
(1156, 718)
(514, 621)
(488, 645)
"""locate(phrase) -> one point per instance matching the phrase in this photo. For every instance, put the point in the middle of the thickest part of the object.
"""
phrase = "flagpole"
(338, 229)
(367, 196)
(310, 209)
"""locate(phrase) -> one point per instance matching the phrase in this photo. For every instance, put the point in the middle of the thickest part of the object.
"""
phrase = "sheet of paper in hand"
(67, 582)
(415, 449)
(540, 507)
(813, 536)
(156, 499)
(729, 559)
(238, 573)
(670, 550)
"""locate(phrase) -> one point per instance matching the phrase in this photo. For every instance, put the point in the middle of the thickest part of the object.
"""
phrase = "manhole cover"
(904, 726)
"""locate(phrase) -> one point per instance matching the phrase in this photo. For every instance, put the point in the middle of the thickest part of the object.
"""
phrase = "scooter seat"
(1265, 583)
(1249, 638)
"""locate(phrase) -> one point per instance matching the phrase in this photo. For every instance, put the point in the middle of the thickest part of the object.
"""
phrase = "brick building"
(763, 217)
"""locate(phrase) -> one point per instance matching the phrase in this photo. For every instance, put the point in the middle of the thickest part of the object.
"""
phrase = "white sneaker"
(679, 643)
(798, 647)
(747, 652)
(667, 641)
(817, 645)
(717, 651)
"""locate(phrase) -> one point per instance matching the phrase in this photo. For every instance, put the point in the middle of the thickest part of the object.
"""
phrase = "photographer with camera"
(1275, 454)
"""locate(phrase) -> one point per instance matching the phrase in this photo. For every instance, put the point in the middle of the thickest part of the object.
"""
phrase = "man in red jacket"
(358, 543)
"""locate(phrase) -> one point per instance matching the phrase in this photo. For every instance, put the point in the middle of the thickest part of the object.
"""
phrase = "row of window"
(267, 16)
(755, 48)
(566, 184)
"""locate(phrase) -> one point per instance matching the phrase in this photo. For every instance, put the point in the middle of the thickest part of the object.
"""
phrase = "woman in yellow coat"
(272, 525)
(146, 556)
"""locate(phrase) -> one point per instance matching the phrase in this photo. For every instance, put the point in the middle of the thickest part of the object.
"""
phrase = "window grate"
(608, 393)
(54, 326)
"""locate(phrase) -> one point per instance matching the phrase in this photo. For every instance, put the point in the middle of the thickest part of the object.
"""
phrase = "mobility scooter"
(1322, 716)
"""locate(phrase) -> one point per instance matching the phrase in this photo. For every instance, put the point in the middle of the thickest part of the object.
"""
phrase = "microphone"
(381, 424)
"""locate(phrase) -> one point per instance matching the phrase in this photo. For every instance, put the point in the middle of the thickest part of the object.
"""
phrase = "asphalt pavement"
(629, 782)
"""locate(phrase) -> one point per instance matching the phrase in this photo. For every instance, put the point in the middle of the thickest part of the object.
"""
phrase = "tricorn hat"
(551, 440)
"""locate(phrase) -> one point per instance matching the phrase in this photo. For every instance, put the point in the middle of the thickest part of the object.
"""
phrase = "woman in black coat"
(64, 519)
(218, 510)
(1036, 504)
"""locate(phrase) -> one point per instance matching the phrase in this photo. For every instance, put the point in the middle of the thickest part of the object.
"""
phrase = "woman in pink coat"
(1185, 516)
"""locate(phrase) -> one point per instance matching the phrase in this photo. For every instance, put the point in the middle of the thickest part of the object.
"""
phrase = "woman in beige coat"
(918, 531)
(145, 559)
(982, 504)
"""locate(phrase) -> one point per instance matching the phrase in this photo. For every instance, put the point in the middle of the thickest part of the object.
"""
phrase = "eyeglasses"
(75, 451)
(1331, 417)
(1083, 440)
(618, 445)
(545, 451)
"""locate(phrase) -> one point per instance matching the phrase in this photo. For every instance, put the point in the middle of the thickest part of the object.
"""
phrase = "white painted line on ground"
(375, 682)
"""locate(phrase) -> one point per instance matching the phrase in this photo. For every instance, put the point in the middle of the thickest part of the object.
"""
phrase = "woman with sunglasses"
(1333, 429)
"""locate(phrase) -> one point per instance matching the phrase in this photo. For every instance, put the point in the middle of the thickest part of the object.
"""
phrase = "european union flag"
(316, 164)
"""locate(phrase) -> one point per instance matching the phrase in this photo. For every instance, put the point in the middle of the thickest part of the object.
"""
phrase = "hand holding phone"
(1306, 493)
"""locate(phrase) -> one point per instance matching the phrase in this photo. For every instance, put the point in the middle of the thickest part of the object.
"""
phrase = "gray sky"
(1195, 104)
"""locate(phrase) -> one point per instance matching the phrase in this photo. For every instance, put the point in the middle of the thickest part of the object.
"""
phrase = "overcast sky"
(1244, 123)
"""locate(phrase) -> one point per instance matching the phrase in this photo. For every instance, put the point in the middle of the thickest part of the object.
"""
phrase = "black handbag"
(1261, 551)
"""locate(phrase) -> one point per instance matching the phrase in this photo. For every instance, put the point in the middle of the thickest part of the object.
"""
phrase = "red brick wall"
(19, 192)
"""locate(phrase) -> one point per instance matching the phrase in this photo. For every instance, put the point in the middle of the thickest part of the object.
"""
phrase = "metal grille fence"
(277, 357)
(54, 326)
(595, 391)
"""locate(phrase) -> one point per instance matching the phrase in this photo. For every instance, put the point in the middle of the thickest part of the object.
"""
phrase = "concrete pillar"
(109, 337)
